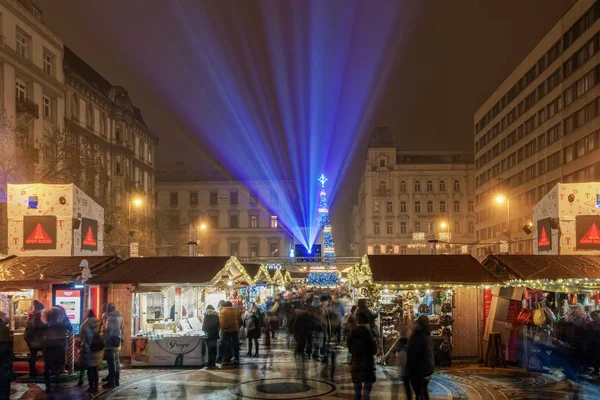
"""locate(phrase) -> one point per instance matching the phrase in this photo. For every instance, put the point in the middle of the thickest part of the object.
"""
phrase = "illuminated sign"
(39, 232)
(588, 232)
(89, 234)
(544, 234)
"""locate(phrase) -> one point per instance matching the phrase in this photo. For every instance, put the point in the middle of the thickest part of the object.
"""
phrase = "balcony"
(383, 192)
(27, 110)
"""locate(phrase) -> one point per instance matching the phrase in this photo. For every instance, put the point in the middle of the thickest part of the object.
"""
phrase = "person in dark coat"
(93, 349)
(6, 357)
(363, 348)
(419, 359)
(253, 321)
(210, 327)
(34, 335)
(55, 346)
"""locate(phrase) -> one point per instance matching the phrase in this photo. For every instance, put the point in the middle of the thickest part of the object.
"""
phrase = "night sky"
(453, 54)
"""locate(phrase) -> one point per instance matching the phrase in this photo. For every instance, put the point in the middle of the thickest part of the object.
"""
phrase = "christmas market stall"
(547, 301)
(52, 281)
(447, 288)
(262, 287)
(162, 300)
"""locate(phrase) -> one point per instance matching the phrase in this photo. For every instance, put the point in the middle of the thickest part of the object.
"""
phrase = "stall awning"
(173, 270)
(422, 269)
(543, 267)
(16, 269)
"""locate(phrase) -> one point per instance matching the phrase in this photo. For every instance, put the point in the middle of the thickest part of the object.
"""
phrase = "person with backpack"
(34, 335)
(55, 346)
(113, 339)
(253, 323)
(210, 327)
(229, 323)
(93, 349)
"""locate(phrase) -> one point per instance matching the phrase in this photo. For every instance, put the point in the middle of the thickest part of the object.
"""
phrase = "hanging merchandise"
(525, 316)
(446, 347)
(423, 308)
(539, 317)
(446, 320)
(446, 308)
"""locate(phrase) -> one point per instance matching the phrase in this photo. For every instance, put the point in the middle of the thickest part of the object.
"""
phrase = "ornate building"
(115, 155)
(220, 215)
(31, 97)
(406, 199)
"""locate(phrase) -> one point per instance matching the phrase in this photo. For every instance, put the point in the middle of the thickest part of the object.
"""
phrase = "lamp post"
(136, 202)
(202, 229)
(501, 199)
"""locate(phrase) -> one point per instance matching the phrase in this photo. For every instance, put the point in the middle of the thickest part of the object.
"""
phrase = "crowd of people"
(47, 332)
(318, 322)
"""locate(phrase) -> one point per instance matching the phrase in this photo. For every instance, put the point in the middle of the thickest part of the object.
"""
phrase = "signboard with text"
(71, 300)
(588, 232)
(89, 234)
(39, 232)
(544, 234)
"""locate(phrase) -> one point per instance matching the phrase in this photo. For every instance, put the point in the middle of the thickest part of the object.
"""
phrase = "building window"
(429, 186)
(456, 205)
(442, 186)
(376, 250)
(403, 186)
(389, 207)
(253, 199)
(21, 88)
(403, 206)
(389, 249)
(117, 132)
(193, 198)
(457, 226)
(233, 221)
(417, 226)
(234, 249)
(417, 186)
(274, 221)
(118, 165)
(442, 205)
(376, 227)
(429, 226)
(430, 206)
(48, 60)
(403, 251)
(382, 162)
(382, 187)
(471, 227)
(402, 226)
(214, 198)
(456, 186)
(253, 249)
(47, 107)
(233, 198)
(214, 221)
(254, 221)
(471, 206)
(389, 227)
(274, 249)
(417, 206)
(22, 44)
(174, 199)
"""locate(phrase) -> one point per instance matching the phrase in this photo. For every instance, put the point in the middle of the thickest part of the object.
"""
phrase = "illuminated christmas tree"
(325, 222)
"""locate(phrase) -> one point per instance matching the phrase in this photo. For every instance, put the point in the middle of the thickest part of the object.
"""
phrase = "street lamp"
(501, 199)
(446, 225)
(136, 202)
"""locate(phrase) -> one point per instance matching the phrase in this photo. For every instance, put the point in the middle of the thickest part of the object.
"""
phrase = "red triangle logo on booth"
(543, 239)
(592, 236)
(89, 240)
(39, 236)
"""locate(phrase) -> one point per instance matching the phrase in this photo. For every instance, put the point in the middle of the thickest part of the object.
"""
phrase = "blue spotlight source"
(279, 102)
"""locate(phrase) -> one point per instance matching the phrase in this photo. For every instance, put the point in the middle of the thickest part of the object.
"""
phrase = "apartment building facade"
(406, 199)
(31, 95)
(538, 128)
(223, 217)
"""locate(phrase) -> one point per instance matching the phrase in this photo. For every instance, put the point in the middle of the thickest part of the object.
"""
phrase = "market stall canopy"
(421, 270)
(543, 267)
(205, 271)
(258, 273)
(16, 270)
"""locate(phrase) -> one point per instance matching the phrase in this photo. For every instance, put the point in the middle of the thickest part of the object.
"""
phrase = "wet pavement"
(274, 376)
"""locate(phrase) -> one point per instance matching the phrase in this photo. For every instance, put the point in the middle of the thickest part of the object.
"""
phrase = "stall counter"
(175, 351)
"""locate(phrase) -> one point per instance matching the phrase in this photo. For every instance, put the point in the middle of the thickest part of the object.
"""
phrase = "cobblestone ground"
(274, 375)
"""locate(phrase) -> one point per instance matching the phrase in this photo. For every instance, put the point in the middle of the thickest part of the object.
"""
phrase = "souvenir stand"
(51, 281)
(555, 295)
(262, 287)
(446, 288)
(167, 302)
